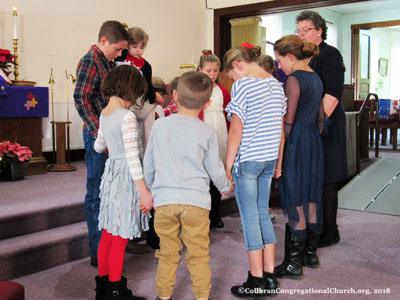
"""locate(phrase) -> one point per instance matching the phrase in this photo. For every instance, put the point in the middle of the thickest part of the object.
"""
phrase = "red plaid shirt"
(89, 101)
(171, 108)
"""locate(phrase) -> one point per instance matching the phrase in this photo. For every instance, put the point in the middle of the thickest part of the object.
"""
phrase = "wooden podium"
(62, 158)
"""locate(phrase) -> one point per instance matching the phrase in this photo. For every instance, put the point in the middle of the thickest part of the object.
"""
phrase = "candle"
(15, 16)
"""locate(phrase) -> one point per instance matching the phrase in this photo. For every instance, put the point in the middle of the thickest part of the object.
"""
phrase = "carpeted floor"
(366, 259)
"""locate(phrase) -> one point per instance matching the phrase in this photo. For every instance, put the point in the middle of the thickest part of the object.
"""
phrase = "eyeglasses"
(304, 30)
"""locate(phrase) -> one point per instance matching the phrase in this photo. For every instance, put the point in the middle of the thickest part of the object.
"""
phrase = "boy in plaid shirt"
(89, 102)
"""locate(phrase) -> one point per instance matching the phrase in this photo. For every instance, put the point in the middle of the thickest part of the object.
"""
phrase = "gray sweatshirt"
(181, 158)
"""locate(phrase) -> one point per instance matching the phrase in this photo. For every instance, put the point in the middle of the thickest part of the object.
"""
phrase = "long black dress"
(328, 64)
(302, 177)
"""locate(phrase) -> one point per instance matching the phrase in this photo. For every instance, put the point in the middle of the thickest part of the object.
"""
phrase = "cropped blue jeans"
(252, 190)
(95, 163)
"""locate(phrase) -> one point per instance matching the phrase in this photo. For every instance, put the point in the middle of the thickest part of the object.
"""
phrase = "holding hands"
(146, 202)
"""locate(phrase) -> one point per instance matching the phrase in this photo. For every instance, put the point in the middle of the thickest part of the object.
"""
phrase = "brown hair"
(136, 35)
(293, 44)
(114, 31)
(173, 85)
(239, 53)
(159, 85)
(125, 82)
(268, 64)
(209, 58)
(194, 89)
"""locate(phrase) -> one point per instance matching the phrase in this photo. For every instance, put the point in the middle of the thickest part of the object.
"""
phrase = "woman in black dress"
(329, 66)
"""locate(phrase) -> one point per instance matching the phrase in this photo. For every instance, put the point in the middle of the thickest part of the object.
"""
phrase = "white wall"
(56, 34)
(362, 18)
(394, 64)
(380, 48)
(228, 3)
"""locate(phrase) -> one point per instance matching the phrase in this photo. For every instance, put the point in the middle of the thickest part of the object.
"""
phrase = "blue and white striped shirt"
(260, 104)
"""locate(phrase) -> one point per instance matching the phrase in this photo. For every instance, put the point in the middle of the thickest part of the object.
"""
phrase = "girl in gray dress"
(125, 199)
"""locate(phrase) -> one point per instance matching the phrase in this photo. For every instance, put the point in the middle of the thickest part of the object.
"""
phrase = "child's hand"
(146, 202)
(278, 173)
(229, 174)
(159, 99)
(230, 189)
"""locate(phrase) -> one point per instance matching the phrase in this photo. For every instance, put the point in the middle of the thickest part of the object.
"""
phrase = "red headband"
(207, 52)
(247, 45)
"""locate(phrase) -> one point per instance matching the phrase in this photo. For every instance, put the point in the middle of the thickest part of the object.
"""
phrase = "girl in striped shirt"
(255, 137)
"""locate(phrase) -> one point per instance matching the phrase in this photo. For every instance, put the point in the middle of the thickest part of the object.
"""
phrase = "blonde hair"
(136, 35)
(239, 53)
(158, 85)
(205, 58)
(293, 44)
(194, 89)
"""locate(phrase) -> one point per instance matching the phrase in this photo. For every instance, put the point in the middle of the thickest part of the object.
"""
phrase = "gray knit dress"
(120, 214)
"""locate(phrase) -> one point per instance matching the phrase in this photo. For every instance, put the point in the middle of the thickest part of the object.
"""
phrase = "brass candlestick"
(73, 79)
(52, 82)
(16, 72)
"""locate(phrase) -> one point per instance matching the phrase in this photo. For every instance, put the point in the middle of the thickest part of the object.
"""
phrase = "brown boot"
(136, 248)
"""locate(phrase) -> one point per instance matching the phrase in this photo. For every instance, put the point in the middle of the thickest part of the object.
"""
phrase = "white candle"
(15, 15)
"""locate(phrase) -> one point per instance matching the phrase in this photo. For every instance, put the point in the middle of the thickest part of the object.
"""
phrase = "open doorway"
(375, 55)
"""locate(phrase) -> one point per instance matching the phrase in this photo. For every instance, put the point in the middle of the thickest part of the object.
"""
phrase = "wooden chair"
(381, 125)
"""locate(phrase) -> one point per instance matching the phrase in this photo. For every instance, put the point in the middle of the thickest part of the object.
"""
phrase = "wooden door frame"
(355, 49)
(222, 27)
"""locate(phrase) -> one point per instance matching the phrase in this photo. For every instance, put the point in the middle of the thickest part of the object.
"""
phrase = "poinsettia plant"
(14, 151)
(6, 60)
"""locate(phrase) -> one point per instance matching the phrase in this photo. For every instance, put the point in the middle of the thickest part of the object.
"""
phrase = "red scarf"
(137, 62)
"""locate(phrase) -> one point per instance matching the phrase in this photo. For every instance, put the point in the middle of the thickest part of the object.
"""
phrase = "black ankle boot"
(291, 266)
(253, 287)
(119, 291)
(310, 258)
(101, 287)
(272, 284)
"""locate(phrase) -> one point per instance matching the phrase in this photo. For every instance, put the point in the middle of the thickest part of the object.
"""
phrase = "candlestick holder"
(53, 131)
(16, 72)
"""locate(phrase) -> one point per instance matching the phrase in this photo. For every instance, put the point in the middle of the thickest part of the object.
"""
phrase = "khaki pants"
(175, 224)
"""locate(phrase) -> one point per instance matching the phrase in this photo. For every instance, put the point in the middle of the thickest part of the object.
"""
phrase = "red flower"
(6, 60)
(4, 52)
(14, 151)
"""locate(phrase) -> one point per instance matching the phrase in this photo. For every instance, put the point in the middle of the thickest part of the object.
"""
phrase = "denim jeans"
(252, 188)
(95, 163)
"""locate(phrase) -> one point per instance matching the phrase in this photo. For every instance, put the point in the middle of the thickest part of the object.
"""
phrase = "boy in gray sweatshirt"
(180, 159)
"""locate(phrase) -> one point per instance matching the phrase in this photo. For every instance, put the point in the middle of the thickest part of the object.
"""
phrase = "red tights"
(110, 256)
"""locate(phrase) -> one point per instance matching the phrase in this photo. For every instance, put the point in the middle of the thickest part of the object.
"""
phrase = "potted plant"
(14, 160)
(6, 61)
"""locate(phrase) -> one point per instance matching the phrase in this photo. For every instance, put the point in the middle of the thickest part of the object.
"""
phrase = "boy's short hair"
(114, 31)
(194, 89)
